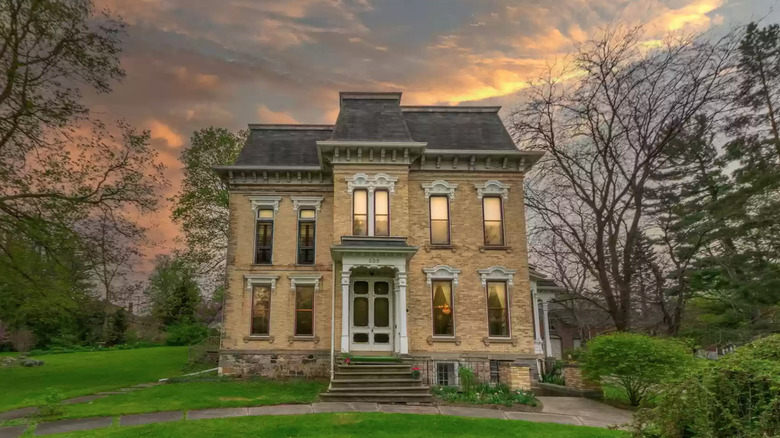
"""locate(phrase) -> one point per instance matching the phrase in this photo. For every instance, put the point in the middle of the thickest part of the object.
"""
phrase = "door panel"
(371, 316)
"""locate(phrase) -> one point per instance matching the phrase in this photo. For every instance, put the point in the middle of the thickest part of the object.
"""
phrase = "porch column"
(404, 348)
(537, 334)
(547, 343)
(345, 311)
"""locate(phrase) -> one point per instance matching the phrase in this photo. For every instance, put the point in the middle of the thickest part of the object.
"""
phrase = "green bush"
(735, 396)
(467, 380)
(635, 362)
(186, 334)
(51, 403)
(483, 393)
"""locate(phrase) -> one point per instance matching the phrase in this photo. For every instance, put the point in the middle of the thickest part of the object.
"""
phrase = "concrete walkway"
(564, 410)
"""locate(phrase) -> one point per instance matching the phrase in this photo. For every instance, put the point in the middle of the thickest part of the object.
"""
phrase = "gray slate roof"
(283, 145)
(459, 128)
(378, 117)
(369, 118)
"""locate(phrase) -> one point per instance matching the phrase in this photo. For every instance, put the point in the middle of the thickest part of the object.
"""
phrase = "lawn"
(78, 374)
(199, 395)
(375, 425)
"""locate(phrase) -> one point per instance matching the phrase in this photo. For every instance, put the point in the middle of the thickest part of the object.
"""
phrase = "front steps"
(379, 382)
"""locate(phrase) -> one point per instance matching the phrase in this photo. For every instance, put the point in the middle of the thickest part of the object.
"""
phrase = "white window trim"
(493, 188)
(305, 280)
(442, 272)
(455, 366)
(439, 187)
(303, 202)
(380, 181)
(497, 273)
(260, 280)
(265, 202)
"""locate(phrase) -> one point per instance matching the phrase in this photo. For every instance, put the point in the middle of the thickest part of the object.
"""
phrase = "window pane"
(381, 226)
(265, 214)
(306, 242)
(498, 318)
(360, 225)
(440, 232)
(360, 202)
(439, 207)
(360, 337)
(360, 312)
(381, 338)
(304, 323)
(304, 297)
(381, 287)
(264, 242)
(307, 214)
(442, 308)
(381, 312)
(492, 209)
(493, 233)
(361, 287)
(261, 310)
(381, 202)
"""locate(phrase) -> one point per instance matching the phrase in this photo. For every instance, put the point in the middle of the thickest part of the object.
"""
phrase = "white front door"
(371, 316)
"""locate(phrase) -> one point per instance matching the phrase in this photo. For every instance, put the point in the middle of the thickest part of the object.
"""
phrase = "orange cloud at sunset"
(160, 130)
(265, 115)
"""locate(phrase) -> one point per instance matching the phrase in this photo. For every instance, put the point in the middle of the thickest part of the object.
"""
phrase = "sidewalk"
(556, 410)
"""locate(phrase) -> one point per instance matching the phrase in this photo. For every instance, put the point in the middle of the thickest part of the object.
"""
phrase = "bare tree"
(603, 121)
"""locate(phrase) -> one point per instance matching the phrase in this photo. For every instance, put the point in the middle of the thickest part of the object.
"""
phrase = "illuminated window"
(493, 217)
(261, 310)
(498, 309)
(306, 236)
(443, 311)
(381, 213)
(360, 213)
(265, 237)
(440, 220)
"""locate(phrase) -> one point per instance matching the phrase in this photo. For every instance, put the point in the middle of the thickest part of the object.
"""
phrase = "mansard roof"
(377, 119)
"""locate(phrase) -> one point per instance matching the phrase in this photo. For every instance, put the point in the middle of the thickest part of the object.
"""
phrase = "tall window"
(304, 311)
(498, 309)
(265, 237)
(443, 311)
(493, 217)
(261, 310)
(360, 213)
(440, 220)
(306, 232)
(381, 213)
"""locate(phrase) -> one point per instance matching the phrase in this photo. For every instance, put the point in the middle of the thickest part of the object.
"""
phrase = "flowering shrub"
(484, 394)
(416, 372)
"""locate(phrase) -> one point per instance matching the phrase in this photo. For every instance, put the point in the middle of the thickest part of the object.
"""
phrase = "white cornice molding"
(493, 187)
(307, 201)
(441, 272)
(305, 280)
(260, 280)
(439, 187)
(499, 273)
(378, 181)
(265, 201)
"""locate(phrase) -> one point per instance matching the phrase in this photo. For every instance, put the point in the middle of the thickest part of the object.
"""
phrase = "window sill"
(292, 339)
(262, 264)
(430, 247)
(495, 248)
(444, 340)
(487, 340)
(263, 338)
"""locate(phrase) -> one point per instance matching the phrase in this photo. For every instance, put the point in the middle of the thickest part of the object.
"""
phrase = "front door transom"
(371, 318)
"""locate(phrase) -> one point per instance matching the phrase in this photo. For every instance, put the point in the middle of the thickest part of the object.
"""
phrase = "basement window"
(446, 373)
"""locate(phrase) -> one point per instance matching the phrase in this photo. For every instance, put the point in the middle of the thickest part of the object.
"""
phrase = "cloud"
(161, 131)
(267, 116)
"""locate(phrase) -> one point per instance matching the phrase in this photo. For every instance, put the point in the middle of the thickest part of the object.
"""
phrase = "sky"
(192, 64)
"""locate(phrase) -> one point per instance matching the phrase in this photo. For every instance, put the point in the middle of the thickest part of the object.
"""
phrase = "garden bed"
(487, 396)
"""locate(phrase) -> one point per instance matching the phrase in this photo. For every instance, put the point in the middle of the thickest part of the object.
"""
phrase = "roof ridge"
(450, 109)
(290, 126)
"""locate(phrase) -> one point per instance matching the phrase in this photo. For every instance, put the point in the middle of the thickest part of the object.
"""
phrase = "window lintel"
(260, 280)
(497, 273)
(441, 272)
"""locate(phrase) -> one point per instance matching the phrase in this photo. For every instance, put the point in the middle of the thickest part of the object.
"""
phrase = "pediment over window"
(307, 201)
(441, 272)
(439, 187)
(493, 187)
(260, 280)
(498, 273)
(371, 182)
(305, 280)
(265, 201)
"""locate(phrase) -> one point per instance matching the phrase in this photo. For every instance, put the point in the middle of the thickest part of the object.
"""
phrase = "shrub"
(483, 393)
(22, 340)
(634, 361)
(51, 403)
(186, 334)
(735, 396)
(553, 373)
(467, 380)
(118, 328)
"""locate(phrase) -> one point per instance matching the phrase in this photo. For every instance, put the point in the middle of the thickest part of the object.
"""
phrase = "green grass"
(375, 425)
(199, 395)
(78, 374)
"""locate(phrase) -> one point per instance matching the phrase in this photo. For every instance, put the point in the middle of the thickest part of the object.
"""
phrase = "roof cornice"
(449, 109)
(290, 127)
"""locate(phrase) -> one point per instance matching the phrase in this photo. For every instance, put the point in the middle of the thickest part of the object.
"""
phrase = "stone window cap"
(307, 201)
(439, 187)
(265, 201)
(264, 338)
(378, 181)
(441, 272)
(305, 280)
(260, 280)
(487, 340)
(493, 187)
(498, 273)
(444, 340)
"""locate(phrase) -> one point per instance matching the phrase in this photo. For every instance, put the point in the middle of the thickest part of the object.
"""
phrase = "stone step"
(359, 383)
(373, 368)
(378, 398)
(382, 390)
(339, 375)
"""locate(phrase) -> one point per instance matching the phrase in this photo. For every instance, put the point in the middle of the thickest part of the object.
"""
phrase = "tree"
(118, 328)
(635, 361)
(604, 130)
(173, 291)
(201, 207)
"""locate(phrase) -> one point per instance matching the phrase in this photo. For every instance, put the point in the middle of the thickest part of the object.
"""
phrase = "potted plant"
(416, 372)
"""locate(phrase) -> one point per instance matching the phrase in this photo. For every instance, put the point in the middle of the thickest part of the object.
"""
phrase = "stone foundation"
(515, 375)
(572, 374)
(274, 365)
